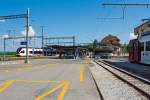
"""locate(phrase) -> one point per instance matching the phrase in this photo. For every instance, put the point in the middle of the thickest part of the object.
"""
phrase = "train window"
(35, 52)
(142, 46)
(148, 46)
(22, 51)
(30, 51)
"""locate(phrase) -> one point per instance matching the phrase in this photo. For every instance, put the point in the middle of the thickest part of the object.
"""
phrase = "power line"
(125, 4)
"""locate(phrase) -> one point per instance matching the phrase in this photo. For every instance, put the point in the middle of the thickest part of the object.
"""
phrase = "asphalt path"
(47, 79)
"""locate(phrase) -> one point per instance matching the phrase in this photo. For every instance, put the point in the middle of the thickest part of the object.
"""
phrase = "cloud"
(31, 32)
(2, 20)
(132, 36)
(5, 36)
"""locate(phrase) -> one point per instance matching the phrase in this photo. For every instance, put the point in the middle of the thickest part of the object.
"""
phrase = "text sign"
(23, 43)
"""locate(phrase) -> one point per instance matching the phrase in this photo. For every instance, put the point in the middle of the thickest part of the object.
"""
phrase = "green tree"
(95, 43)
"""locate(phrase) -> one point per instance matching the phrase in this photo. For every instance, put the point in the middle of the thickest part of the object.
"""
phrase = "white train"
(31, 51)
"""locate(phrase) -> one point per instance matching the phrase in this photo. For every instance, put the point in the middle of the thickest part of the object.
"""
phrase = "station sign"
(23, 43)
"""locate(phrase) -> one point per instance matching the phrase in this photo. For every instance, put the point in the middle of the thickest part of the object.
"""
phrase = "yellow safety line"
(37, 81)
(26, 68)
(64, 90)
(6, 85)
(81, 73)
(49, 92)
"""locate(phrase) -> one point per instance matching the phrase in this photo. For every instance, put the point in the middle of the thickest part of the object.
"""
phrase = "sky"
(80, 18)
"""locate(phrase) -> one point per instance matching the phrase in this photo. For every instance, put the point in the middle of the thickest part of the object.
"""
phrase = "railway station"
(61, 50)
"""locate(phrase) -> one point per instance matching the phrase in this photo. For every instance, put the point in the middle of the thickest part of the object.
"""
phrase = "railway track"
(139, 84)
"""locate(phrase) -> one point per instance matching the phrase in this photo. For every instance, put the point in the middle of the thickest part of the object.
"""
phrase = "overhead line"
(124, 4)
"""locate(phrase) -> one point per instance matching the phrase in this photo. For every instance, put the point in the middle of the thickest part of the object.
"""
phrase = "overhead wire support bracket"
(126, 4)
(13, 16)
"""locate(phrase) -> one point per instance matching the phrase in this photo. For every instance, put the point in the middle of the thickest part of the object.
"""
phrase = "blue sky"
(74, 18)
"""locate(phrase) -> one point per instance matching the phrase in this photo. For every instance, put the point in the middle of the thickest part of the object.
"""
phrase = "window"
(22, 51)
(148, 25)
(35, 52)
(148, 46)
(30, 51)
(142, 46)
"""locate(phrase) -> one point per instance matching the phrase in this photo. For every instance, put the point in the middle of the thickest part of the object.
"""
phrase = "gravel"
(112, 88)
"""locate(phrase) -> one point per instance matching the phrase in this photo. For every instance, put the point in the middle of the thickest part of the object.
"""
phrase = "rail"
(138, 83)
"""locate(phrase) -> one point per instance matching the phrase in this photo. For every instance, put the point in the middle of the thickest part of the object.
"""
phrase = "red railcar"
(134, 51)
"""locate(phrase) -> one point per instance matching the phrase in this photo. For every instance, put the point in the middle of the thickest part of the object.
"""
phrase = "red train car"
(134, 51)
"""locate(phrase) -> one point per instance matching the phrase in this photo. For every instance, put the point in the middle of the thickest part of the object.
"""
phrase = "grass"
(11, 54)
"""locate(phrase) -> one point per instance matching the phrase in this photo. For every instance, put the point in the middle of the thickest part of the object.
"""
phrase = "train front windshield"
(18, 50)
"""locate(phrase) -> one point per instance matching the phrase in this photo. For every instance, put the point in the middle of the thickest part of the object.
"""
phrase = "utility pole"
(74, 46)
(13, 39)
(4, 49)
(42, 28)
(26, 16)
(9, 32)
(27, 33)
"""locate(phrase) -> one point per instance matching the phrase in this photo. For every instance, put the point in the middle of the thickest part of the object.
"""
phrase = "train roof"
(29, 48)
(144, 27)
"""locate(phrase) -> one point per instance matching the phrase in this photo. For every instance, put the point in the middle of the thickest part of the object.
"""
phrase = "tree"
(124, 48)
(111, 41)
(95, 43)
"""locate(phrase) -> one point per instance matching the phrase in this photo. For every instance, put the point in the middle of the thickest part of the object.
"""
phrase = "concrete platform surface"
(47, 79)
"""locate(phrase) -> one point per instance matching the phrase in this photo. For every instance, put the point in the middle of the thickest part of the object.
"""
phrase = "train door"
(142, 45)
(137, 51)
(131, 49)
(146, 54)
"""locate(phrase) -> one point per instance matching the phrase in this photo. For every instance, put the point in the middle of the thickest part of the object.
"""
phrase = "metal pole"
(4, 49)
(14, 39)
(42, 27)
(74, 45)
(27, 33)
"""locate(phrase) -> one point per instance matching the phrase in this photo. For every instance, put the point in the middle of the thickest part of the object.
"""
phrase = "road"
(47, 79)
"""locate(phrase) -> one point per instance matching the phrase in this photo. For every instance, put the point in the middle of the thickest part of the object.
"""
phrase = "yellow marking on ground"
(38, 81)
(60, 97)
(64, 90)
(6, 70)
(81, 73)
(6, 85)
(49, 92)
(2, 84)
(27, 68)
